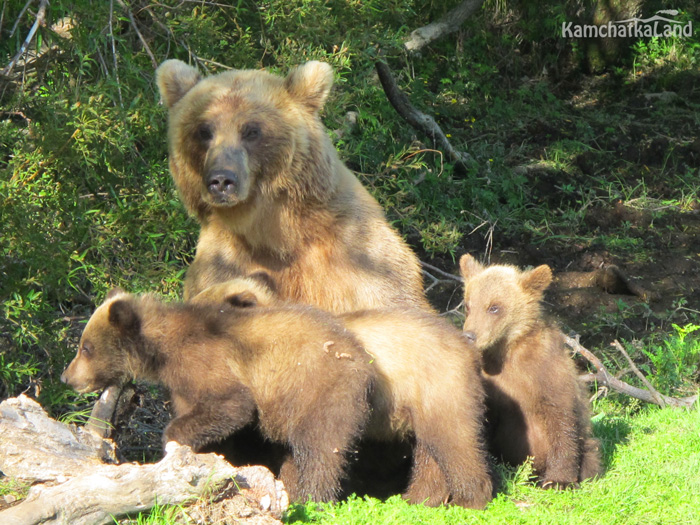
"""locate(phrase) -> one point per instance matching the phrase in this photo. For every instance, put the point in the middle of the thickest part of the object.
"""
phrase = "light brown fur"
(427, 387)
(253, 163)
(228, 368)
(535, 406)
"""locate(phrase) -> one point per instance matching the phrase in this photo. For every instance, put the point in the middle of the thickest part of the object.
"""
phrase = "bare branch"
(417, 119)
(19, 17)
(138, 33)
(437, 270)
(40, 16)
(657, 397)
(114, 52)
(603, 377)
(449, 23)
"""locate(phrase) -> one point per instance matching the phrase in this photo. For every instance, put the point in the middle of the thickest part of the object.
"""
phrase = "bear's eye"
(86, 349)
(494, 309)
(251, 132)
(204, 133)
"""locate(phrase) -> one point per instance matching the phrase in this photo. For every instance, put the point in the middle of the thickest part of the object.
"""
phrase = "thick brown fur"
(226, 368)
(253, 163)
(427, 388)
(535, 405)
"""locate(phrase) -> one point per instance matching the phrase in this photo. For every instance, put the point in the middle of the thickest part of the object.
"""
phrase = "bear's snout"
(226, 175)
(222, 184)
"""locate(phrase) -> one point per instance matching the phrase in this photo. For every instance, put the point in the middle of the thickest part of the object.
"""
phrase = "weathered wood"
(84, 490)
(449, 23)
(100, 421)
(35, 448)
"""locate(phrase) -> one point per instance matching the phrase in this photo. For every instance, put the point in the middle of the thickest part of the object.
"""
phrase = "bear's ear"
(469, 266)
(242, 299)
(310, 84)
(124, 317)
(175, 79)
(537, 279)
(265, 279)
(114, 292)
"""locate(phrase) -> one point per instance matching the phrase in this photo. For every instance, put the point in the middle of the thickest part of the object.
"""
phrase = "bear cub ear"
(310, 84)
(114, 292)
(538, 279)
(242, 299)
(175, 79)
(469, 266)
(124, 317)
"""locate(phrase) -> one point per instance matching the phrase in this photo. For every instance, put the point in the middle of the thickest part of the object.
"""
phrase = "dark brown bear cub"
(535, 406)
(226, 368)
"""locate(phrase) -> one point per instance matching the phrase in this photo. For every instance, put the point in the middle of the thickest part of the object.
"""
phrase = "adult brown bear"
(253, 163)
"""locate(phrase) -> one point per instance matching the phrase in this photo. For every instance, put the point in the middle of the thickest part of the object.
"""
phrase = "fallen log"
(76, 487)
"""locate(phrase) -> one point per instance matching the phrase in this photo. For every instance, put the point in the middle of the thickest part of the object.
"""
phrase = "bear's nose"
(222, 183)
(471, 337)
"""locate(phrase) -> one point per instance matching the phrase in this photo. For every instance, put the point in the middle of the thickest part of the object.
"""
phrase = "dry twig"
(657, 397)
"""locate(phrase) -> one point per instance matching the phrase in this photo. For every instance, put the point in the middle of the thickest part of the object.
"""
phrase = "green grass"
(653, 476)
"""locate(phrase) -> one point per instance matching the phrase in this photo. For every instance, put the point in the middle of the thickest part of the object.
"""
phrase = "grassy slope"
(653, 476)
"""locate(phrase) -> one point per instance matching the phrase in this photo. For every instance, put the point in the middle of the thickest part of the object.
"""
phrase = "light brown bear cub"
(535, 406)
(226, 368)
(254, 164)
(426, 388)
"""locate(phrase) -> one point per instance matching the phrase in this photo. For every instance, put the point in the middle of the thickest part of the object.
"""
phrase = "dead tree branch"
(417, 119)
(40, 16)
(657, 397)
(605, 378)
(82, 489)
(449, 23)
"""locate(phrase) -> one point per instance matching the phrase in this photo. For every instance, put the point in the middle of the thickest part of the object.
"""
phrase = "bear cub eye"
(251, 132)
(86, 349)
(494, 309)
(204, 133)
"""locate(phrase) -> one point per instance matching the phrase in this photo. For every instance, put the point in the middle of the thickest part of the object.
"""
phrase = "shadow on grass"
(612, 433)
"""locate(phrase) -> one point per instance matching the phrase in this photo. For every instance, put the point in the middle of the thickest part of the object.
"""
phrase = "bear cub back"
(535, 405)
(426, 390)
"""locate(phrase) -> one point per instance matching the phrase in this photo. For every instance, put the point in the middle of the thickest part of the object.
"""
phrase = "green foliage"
(674, 363)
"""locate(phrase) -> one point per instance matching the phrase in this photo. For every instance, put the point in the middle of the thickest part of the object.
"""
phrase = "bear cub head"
(501, 302)
(233, 135)
(107, 346)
